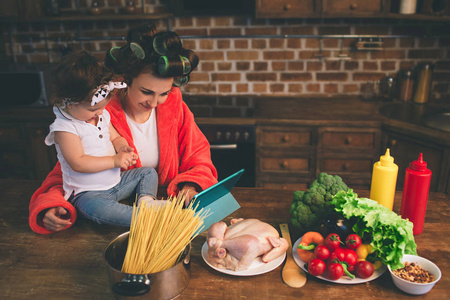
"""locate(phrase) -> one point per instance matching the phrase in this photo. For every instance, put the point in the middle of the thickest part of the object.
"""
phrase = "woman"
(151, 115)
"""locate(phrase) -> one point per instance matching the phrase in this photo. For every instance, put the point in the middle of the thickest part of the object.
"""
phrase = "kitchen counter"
(408, 118)
(69, 264)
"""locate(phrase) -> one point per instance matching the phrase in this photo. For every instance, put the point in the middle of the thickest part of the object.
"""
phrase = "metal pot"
(166, 284)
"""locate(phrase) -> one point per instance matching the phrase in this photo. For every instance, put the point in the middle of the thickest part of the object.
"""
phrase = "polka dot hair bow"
(104, 90)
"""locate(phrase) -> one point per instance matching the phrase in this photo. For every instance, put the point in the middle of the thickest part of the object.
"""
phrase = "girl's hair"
(77, 76)
(161, 54)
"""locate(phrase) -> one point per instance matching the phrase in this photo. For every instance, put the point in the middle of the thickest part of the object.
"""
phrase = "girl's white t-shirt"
(145, 137)
(95, 140)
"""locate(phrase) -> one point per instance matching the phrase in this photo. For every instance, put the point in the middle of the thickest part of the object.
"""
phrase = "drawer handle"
(223, 147)
(353, 6)
(348, 140)
(392, 142)
(284, 164)
(285, 138)
(287, 7)
(345, 166)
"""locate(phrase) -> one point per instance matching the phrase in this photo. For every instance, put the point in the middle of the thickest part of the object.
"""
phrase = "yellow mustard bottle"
(384, 180)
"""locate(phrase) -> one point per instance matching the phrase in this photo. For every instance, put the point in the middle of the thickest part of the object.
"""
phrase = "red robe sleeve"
(185, 154)
(50, 194)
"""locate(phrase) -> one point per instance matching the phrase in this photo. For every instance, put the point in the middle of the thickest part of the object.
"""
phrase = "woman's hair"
(161, 54)
(77, 76)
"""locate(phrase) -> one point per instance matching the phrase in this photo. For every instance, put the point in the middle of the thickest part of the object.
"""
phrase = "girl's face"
(85, 112)
(145, 93)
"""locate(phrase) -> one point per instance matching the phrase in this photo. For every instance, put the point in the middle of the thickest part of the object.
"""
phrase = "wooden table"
(69, 264)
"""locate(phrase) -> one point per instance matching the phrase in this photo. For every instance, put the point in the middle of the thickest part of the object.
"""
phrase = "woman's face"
(146, 92)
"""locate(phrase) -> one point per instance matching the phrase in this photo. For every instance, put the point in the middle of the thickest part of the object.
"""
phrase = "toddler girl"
(90, 150)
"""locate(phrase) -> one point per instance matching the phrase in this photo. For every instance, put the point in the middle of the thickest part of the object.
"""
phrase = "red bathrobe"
(184, 156)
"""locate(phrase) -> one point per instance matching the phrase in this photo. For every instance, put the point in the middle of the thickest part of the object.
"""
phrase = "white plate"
(257, 267)
(344, 279)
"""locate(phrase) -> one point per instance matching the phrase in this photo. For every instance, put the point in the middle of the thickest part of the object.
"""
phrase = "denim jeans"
(103, 207)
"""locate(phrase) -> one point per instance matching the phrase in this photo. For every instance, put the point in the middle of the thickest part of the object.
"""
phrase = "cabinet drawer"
(285, 138)
(9, 134)
(349, 139)
(335, 165)
(284, 164)
(284, 8)
(351, 6)
(12, 160)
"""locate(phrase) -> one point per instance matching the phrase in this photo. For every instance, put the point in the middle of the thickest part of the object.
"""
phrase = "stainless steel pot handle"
(132, 285)
(224, 146)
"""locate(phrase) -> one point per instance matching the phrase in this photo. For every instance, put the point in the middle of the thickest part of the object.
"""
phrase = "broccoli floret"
(313, 198)
(326, 180)
(308, 207)
(301, 216)
(298, 196)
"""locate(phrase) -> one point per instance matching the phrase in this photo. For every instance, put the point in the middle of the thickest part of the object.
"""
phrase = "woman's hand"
(189, 190)
(54, 219)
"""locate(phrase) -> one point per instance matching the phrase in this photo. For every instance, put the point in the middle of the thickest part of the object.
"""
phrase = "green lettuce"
(390, 235)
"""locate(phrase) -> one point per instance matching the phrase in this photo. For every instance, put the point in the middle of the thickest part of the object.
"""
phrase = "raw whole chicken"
(235, 247)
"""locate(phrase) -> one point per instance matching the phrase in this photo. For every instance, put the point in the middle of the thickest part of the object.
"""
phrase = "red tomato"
(351, 269)
(353, 241)
(338, 254)
(322, 252)
(335, 271)
(316, 267)
(350, 257)
(364, 269)
(333, 241)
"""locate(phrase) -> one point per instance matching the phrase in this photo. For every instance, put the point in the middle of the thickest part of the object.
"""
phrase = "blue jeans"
(103, 207)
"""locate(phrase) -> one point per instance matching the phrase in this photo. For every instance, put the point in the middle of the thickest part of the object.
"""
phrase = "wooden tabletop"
(69, 264)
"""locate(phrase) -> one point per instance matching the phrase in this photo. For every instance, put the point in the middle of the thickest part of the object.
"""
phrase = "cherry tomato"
(353, 241)
(351, 269)
(364, 269)
(316, 267)
(338, 254)
(322, 252)
(335, 271)
(333, 241)
(350, 257)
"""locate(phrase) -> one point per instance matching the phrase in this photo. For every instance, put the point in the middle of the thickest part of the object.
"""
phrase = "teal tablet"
(218, 200)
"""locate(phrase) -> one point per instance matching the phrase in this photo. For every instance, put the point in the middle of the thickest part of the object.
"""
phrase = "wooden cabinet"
(285, 156)
(285, 8)
(293, 156)
(348, 152)
(351, 7)
(405, 148)
(23, 153)
(345, 9)
(318, 8)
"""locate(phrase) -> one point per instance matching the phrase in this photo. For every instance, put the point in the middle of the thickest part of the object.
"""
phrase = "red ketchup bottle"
(415, 193)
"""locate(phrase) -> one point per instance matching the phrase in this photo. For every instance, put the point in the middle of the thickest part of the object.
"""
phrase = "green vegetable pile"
(390, 235)
(309, 207)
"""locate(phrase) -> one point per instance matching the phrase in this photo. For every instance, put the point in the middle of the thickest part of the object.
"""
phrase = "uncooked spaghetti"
(159, 234)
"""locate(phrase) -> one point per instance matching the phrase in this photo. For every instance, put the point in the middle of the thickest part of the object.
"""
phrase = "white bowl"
(412, 287)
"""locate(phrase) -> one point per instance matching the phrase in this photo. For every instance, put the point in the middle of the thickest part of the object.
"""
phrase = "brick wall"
(237, 62)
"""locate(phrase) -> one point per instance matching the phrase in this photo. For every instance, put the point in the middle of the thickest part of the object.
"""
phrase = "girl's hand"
(128, 149)
(124, 160)
(54, 219)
